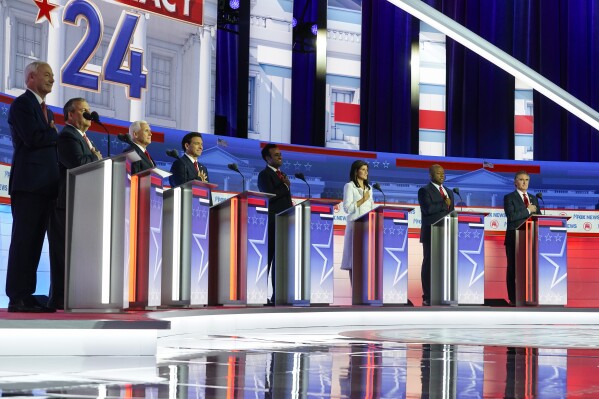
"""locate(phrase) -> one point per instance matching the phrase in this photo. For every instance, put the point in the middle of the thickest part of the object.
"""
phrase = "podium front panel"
(257, 249)
(395, 256)
(155, 244)
(471, 258)
(321, 252)
(200, 249)
(552, 243)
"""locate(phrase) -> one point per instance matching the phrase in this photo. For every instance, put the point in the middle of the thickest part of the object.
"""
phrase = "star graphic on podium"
(45, 8)
(326, 271)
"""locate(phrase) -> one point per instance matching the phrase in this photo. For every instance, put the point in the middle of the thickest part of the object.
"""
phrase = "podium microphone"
(303, 178)
(173, 153)
(233, 166)
(540, 196)
(94, 117)
(124, 137)
(377, 186)
(457, 191)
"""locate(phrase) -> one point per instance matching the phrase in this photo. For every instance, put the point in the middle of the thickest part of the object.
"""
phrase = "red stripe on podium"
(320, 209)
(256, 201)
(199, 192)
(469, 219)
(555, 223)
(394, 215)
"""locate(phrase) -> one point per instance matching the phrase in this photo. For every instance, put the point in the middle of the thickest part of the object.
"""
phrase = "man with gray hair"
(33, 187)
(141, 136)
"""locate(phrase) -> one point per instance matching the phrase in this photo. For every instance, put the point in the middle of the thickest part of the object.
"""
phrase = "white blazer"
(351, 196)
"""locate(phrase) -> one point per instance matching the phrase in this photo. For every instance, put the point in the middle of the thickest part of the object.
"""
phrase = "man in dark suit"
(187, 167)
(74, 149)
(33, 187)
(435, 202)
(141, 136)
(518, 206)
(272, 180)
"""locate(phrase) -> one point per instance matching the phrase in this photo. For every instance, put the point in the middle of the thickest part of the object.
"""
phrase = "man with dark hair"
(435, 201)
(518, 206)
(74, 149)
(272, 180)
(187, 167)
(33, 187)
(141, 136)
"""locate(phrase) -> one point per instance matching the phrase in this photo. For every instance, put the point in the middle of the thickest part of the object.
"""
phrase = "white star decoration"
(473, 276)
(555, 280)
(390, 250)
(197, 237)
(325, 273)
(262, 268)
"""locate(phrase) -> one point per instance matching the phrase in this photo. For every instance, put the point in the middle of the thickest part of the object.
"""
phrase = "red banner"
(190, 11)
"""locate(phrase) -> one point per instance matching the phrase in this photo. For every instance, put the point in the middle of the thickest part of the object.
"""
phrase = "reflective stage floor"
(333, 353)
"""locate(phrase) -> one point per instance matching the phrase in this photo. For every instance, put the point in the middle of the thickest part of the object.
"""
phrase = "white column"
(55, 55)
(137, 110)
(4, 40)
(205, 95)
(190, 91)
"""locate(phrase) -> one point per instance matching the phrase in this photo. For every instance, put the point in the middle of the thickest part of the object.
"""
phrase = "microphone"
(124, 137)
(233, 166)
(303, 178)
(377, 186)
(457, 191)
(172, 153)
(94, 117)
(540, 196)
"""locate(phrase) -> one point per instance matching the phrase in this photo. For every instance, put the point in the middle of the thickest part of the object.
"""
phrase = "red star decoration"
(45, 9)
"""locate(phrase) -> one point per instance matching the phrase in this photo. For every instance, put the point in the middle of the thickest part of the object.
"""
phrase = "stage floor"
(337, 352)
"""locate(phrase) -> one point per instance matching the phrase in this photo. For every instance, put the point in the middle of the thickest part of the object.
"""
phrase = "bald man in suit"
(33, 187)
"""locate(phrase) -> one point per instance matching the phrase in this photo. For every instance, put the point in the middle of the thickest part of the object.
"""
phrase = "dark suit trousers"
(425, 272)
(510, 254)
(31, 213)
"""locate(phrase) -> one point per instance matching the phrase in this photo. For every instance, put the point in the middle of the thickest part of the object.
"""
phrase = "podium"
(471, 258)
(96, 233)
(444, 260)
(541, 261)
(238, 260)
(145, 239)
(380, 257)
(186, 244)
(304, 254)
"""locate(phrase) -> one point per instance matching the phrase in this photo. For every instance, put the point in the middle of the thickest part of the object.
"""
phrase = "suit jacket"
(35, 162)
(516, 212)
(73, 151)
(141, 165)
(269, 182)
(432, 207)
(183, 171)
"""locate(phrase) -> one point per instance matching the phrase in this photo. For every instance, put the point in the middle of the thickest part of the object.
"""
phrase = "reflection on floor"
(329, 362)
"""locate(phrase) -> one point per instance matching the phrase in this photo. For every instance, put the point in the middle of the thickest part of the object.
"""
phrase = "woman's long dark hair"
(353, 173)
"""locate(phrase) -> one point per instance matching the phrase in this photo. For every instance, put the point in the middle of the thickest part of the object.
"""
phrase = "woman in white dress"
(357, 200)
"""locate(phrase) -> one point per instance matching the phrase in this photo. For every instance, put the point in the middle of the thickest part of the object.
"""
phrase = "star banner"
(471, 258)
(200, 249)
(552, 241)
(395, 256)
(155, 244)
(321, 253)
(257, 250)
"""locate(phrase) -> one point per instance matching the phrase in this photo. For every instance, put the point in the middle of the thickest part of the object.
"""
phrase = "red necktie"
(526, 203)
(195, 164)
(89, 143)
(45, 110)
(149, 157)
(442, 192)
(280, 174)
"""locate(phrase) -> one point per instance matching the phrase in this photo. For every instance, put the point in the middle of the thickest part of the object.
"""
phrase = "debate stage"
(217, 352)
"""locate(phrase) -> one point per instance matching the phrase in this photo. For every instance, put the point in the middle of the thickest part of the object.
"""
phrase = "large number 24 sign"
(123, 63)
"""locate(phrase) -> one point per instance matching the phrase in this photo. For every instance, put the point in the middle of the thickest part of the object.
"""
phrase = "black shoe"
(269, 303)
(57, 305)
(28, 305)
(425, 303)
